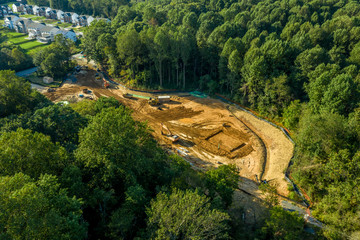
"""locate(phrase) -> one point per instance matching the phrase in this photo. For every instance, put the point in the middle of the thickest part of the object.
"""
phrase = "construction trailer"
(163, 99)
(168, 133)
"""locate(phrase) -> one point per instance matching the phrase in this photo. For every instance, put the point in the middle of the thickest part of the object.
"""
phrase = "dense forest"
(89, 171)
(295, 61)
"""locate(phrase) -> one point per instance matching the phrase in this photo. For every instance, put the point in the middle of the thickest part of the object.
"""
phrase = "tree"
(38, 209)
(16, 95)
(54, 60)
(116, 151)
(283, 225)
(185, 215)
(223, 181)
(30, 153)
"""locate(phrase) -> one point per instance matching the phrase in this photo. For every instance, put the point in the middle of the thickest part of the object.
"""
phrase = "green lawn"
(28, 16)
(49, 21)
(39, 80)
(1, 22)
(30, 46)
(64, 25)
(38, 18)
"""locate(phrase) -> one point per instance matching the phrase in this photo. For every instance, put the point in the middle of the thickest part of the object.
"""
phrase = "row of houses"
(69, 17)
(5, 10)
(39, 31)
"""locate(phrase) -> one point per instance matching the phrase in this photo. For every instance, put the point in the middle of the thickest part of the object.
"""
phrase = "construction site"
(205, 131)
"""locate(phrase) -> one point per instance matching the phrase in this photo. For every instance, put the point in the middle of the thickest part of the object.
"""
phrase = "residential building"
(47, 12)
(5, 10)
(42, 11)
(22, 25)
(89, 20)
(36, 10)
(53, 14)
(18, 7)
(83, 21)
(60, 15)
(75, 18)
(67, 17)
(34, 29)
(28, 9)
(11, 20)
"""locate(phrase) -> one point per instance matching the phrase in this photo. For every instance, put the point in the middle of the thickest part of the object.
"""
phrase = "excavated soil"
(211, 134)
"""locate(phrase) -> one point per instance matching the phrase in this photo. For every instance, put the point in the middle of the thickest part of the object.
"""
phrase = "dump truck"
(168, 133)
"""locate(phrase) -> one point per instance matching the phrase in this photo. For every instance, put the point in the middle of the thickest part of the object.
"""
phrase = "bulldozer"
(168, 133)
(154, 101)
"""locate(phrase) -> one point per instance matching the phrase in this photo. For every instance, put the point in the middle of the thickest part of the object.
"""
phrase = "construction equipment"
(168, 133)
(154, 101)
(127, 95)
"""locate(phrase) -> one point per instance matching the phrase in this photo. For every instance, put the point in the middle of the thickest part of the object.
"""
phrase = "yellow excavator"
(154, 101)
(168, 133)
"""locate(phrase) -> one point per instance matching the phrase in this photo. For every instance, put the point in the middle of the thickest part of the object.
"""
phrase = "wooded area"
(295, 61)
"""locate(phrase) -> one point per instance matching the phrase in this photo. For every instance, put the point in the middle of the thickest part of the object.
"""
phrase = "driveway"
(26, 72)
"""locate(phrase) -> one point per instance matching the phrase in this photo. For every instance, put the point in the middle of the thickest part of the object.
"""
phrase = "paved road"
(26, 72)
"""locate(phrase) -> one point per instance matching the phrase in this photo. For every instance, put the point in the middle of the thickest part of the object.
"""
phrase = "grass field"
(30, 46)
(64, 25)
(38, 18)
(39, 80)
(28, 16)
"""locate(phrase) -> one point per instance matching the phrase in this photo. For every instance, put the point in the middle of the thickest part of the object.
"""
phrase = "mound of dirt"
(174, 114)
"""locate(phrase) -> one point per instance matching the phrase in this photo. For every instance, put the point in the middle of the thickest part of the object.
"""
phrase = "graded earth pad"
(279, 149)
(211, 133)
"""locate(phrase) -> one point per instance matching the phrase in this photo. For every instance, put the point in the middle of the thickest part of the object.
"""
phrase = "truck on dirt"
(168, 134)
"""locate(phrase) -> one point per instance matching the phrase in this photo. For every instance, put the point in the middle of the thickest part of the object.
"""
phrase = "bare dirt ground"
(211, 133)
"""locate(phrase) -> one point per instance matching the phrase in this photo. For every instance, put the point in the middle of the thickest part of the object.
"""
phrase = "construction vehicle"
(154, 101)
(168, 133)
(127, 95)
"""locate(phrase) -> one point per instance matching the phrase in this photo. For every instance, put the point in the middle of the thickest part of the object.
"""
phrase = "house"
(36, 10)
(34, 29)
(22, 25)
(47, 12)
(18, 7)
(70, 35)
(75, 18)
(42, 11)
(10, 21)
(83, 21)
(53, 14)
(89, 20)
(28, 9)
(60, 15)
(67, 17)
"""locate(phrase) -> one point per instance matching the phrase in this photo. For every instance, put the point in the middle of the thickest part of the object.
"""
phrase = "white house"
(75, 18)
(18, 7)
(11, 21)
(34, 29)
(60, 15)
(47, 12)
(36, 10)
(89, 20)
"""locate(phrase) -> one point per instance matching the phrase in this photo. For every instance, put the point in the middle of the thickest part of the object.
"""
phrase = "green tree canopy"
(38, 209)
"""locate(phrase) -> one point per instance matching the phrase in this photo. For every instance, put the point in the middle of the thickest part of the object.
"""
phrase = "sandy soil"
(279, 149)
